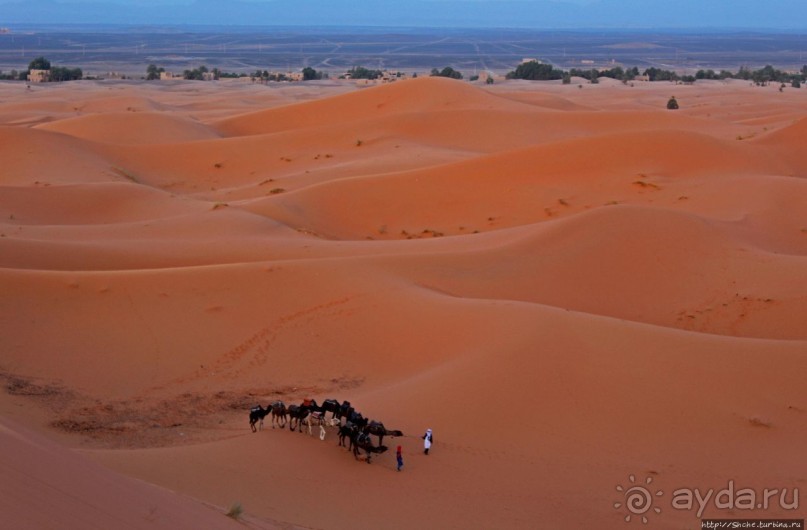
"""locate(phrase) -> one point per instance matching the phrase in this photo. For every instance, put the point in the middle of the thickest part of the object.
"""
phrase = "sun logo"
(638, 499)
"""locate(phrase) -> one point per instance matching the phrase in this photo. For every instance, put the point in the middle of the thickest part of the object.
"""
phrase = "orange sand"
(569, 285)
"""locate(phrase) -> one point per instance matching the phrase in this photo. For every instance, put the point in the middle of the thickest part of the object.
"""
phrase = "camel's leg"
(322, 433)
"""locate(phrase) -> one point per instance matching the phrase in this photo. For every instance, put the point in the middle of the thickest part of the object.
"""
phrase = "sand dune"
(422, 95)
(48, 486)
(790, 136)
(681, 273)
(92, 203)
(33, 157)
(788, 143)
(571, 286)
(132, 128)
(514, 188)
(122, 101)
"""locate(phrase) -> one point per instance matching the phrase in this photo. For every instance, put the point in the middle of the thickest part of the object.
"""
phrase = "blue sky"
(559, 14)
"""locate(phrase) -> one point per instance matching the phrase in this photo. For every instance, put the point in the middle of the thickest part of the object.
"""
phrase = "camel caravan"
(352, 426)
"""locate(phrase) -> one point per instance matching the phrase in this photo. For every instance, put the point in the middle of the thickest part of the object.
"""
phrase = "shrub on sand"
(672, 104)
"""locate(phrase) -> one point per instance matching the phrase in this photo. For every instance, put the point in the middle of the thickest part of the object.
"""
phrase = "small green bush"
(672, 104)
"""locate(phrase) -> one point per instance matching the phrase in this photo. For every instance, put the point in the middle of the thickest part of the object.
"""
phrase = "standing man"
(427, 441)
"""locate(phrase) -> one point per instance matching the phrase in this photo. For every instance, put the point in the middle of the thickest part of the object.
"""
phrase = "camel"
(377, 428)
(357, 419)
(279, 414)
(297, 413)
(333, 406)
(300, 412)
(344, 409)
(318, 419)
(310, 405)
(256, 415)
(364, 443)
(347, 432)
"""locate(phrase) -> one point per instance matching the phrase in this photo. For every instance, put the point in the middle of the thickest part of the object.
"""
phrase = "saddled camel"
(279, 414)
(377, 428)
(363, 442)
(347, 432)
(335, 408)
(256, 415)
(296, 415)
(317, 419)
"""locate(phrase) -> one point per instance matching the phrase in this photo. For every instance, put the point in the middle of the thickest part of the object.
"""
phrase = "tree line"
(530, 70)
(153, 72)
(538, 71)
(55, 74)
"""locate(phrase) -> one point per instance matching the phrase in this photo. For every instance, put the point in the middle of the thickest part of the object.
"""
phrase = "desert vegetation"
(672, 103)
(535, 71)
(54, 73)
(360, 72)
(538, 71)
(446, 72)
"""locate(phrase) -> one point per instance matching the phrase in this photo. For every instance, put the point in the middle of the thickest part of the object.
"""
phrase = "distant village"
(357, 73)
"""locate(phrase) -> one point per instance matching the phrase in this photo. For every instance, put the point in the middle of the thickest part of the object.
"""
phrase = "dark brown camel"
(377, 428)
(279, 414)
(256, 415)
(363, 442)
(296, 415)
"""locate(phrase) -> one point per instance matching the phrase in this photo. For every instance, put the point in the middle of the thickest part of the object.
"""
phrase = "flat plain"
(100, 49)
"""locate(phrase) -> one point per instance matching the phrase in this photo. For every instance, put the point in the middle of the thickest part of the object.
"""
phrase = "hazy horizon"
(781, 15)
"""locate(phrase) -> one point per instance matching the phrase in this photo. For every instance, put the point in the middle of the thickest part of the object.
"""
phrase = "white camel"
(318, 419)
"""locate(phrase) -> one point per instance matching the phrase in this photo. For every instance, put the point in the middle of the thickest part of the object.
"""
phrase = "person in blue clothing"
(399, 456)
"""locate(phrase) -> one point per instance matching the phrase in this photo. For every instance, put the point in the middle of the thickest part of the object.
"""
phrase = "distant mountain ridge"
(613, 14)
